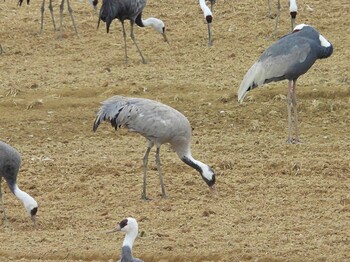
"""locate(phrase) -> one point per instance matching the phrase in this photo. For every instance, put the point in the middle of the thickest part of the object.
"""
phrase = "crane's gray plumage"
(130, 227)
(129, 10)
(288, 58)
(159, 124)
(10, 162)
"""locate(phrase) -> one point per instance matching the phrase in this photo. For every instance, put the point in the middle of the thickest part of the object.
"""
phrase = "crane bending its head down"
(159, 124)
(129, 10)
(208, 15)
(10, 162)
(288, 58)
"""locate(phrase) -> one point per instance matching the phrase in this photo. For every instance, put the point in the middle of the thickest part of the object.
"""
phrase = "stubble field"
(277, 202)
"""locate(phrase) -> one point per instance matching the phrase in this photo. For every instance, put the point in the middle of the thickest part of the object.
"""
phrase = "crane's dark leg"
(145, 162)
(125, 48)
(289, 106)
(160, 173)
(70, 10)
(277, 15)
(295, 109)
(5, 221)
(270, 12)
(61, 17)
(133, 39)
(52, 17)
(210, 43)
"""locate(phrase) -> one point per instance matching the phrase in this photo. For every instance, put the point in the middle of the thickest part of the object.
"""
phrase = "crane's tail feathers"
(111, 111)
(253, 78)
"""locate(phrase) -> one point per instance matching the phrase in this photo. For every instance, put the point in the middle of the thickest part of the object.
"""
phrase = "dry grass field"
(277, 202)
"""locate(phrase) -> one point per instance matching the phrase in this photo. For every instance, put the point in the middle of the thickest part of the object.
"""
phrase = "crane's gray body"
(10, 162)
(121, 9)
(288, 58)
(155, 121)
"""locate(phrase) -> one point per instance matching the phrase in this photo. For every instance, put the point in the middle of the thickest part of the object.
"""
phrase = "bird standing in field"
(288, 58)
(129, 10)
(10, 161)
(208, 17)
(130, 227)
(293, 11)
(70, 10)
(159, 124)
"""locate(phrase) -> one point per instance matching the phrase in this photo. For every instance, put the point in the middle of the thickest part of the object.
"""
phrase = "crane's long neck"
(199, 166)
(126, 254)
(130, 238)
(147, 22)
(21, 195)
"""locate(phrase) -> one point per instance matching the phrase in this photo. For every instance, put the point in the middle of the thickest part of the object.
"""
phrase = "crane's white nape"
(208, 15)
(28, 201)
(299, 27)
(293, 6)
(324, 41)
(157, 25)
(205, 9)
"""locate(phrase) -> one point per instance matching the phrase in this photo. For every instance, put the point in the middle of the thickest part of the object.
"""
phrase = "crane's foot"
(293, 141)
(271, 15)
(144, 197)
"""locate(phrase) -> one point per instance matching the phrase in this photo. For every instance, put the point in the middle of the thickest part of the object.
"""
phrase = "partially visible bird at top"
(288, 58)
(70, 10)
(10, 162)
(159, 124)
(130, 227)
(212, 2)
(293, 11)
(209, 18)
(129, 10)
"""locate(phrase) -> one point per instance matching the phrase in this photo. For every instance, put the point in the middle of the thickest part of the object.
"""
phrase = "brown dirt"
(278, 202)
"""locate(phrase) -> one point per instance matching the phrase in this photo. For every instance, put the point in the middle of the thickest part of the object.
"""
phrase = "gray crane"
(10, 161)
(70, 10)
(288, 58)
(159, 124)
(130, 227)
(208, 17)
(293, 11)
(129, 10)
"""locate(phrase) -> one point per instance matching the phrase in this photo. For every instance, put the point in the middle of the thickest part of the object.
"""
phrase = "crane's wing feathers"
(278, 62)
(149, 118)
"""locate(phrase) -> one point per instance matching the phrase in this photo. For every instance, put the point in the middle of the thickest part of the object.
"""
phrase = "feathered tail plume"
(253, 78)
(111, 111)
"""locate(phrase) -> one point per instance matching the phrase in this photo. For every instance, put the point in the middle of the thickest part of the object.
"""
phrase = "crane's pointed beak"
(33, 217)
(292, 21)
(165, 38)
(210, 42)
(213, 191)
(114, 230)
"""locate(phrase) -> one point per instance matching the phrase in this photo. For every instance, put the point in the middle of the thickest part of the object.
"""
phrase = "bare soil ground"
(278, 202)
